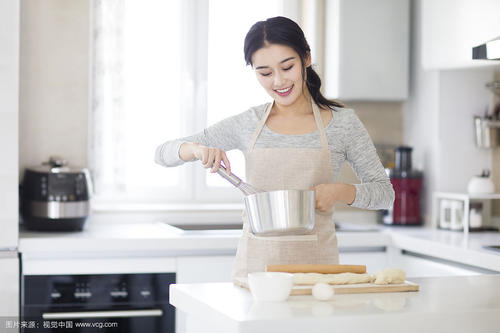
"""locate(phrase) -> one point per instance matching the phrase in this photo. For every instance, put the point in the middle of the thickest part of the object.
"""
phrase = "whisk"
(246, 188)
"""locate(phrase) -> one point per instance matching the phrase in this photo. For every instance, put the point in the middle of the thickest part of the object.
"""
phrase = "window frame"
(192, 188)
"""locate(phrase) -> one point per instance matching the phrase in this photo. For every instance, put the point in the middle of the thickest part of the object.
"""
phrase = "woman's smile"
(284, 92)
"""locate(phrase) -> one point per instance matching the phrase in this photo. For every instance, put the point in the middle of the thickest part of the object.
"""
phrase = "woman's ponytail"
(313, 83)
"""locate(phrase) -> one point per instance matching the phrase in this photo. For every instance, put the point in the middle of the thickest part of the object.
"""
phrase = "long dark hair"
(282, 30)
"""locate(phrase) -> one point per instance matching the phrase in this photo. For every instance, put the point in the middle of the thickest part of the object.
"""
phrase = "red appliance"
(407, 184)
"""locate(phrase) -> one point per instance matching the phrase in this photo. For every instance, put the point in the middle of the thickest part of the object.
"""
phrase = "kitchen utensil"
(270, 286)
(275, 213)
(481, 184)
(445, 214)
(310, 268)
(285, 212)
(56, 196)
(246, 188)
(457, 215)
(359, 288)
(486, 132)
(407, 184)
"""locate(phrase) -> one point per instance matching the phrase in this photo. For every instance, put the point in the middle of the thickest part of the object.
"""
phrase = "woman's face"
(279, 71)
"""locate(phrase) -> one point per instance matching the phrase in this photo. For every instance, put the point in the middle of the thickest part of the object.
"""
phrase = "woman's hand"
(211, 157)
(328, 194)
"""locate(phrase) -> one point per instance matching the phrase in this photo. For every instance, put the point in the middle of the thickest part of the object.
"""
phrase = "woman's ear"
(307, 60)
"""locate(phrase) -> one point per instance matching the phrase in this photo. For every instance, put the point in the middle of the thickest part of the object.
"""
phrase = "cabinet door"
(415, 266)
(200, 269)
(374, 261)
(9, 289)
(450, 28)
(367, 49)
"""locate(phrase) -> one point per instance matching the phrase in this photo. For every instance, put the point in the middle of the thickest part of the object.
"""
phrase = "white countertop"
(163, 239)
(451, 304)
(136, 237)
(159, 237)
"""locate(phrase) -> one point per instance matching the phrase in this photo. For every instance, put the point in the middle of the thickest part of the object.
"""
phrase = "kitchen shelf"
(466, 198)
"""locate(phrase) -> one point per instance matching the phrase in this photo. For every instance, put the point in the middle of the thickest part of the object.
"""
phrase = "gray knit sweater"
(348, 141)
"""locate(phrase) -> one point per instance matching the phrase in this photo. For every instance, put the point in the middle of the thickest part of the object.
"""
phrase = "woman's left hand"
(328, 194)
(325, 196)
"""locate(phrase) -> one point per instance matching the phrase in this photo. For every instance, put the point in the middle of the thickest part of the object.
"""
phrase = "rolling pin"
(311, 268)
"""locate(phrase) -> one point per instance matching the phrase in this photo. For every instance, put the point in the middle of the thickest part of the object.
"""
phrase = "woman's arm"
(375, 190)
(216, 139)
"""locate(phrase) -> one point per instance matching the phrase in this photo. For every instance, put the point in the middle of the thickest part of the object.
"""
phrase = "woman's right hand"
(211, 157)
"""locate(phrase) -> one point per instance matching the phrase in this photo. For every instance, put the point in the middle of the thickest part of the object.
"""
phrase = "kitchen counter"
(163, 239)
(160, 237)
(444, 304)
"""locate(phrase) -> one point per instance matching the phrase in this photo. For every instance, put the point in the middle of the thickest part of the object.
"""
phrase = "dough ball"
(389, 276)
(322, 291)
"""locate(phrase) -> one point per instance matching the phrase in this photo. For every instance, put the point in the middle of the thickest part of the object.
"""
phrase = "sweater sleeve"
(375, 190)
(224, 135)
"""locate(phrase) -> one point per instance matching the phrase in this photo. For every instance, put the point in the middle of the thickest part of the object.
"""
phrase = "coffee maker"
(407, 184)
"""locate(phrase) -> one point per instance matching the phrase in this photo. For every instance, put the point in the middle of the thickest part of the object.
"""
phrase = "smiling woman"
(296, 142)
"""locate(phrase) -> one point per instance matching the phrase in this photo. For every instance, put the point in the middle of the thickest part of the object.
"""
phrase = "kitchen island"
(443, 304)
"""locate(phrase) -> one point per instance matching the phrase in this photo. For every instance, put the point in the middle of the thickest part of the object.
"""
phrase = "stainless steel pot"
(277, 213)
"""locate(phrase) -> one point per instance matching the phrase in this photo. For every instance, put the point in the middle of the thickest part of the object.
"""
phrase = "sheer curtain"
(163, 70)
(136, 102)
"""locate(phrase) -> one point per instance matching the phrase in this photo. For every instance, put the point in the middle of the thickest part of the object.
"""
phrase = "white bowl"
(270, 286)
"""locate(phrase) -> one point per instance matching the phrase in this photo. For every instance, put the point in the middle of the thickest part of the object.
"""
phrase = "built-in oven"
(124, 303)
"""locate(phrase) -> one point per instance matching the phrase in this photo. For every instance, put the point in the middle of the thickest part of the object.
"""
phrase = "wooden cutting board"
(359, 288)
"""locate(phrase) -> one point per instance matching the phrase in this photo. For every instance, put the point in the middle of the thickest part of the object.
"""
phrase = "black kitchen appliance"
(107, 303)
(55, 196)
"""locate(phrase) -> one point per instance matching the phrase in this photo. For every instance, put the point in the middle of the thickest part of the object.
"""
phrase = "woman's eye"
(265, 74)
(288, 68)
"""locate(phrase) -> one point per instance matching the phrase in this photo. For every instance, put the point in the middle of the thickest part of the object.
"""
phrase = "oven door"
(126, 303)
(160, 319)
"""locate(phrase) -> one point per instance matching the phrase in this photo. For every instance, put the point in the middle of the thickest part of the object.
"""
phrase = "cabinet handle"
(103, 314)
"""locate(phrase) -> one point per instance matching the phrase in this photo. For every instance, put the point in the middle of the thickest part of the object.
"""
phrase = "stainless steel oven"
(124, 303)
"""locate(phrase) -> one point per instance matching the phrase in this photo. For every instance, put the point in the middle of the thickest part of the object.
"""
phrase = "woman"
(288, 146)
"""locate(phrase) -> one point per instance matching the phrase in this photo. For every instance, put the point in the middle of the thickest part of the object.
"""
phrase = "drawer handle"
(103, 314)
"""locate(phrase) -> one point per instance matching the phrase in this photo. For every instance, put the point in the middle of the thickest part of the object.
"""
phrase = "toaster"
(55, 196)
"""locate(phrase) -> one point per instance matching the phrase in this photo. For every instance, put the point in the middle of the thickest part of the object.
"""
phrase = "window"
(163, 70)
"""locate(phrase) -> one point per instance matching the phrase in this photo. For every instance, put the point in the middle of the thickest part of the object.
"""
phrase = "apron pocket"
(288, 238)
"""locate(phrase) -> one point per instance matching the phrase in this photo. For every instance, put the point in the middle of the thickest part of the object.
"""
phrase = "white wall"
(9, 107)
(438, 120)
(54, 64)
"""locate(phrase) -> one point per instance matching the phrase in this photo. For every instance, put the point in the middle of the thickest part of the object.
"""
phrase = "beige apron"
(287, 169)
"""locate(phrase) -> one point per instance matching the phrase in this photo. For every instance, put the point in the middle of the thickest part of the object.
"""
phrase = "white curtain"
(107, 99)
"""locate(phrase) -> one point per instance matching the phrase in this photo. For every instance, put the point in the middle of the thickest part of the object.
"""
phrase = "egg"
(322, 291)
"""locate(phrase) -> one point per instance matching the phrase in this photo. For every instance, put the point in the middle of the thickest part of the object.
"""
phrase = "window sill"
(194, 213)
(191, 207)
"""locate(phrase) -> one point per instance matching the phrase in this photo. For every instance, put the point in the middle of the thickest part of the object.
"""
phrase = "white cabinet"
(414, 265)
(9, 288)
(374, 261)
(367, 49)
(423, 266)
(450, 28)
(200, 269)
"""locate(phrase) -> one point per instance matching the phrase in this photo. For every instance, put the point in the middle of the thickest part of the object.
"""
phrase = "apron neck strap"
(317, 118)
(321, 126)
(260, 125)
